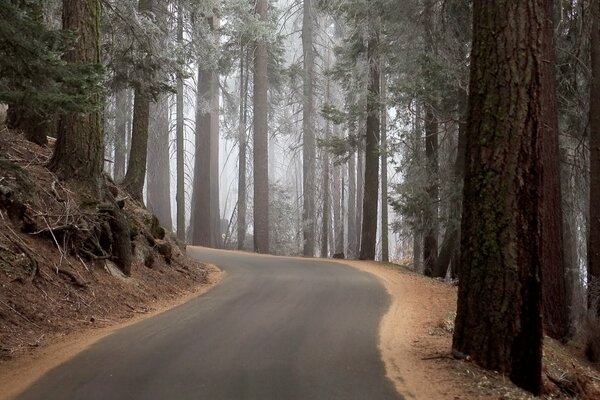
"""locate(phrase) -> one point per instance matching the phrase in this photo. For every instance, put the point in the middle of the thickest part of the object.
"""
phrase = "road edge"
(17, 375)
(405, 337)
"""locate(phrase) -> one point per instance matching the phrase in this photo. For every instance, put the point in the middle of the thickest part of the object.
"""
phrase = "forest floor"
(54, 301)
(416, 338)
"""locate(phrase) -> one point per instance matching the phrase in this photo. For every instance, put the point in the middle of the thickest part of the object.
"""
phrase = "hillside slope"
(58, 270)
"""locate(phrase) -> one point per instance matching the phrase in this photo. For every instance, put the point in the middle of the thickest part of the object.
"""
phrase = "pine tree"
(79, 152)
(498, 320)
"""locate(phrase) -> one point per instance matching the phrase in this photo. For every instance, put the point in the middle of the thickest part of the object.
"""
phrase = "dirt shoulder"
(416, 338)
(19, 373)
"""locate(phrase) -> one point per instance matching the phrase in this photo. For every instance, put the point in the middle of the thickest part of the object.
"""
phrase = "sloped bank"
(62, 266)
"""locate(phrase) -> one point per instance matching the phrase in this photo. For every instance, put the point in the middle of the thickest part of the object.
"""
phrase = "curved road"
(273, 329)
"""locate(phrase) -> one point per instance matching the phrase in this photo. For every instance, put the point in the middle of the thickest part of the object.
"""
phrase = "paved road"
(274, 329)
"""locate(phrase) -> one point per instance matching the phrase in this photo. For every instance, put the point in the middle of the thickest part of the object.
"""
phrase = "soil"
(416, 338)
(56, 296)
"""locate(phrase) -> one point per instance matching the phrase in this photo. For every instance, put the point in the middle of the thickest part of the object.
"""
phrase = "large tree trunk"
(205, 218)
(503, 242)
(201, 217)
(261, 140)
(371, 181)
(180, 195)
(308, 133)
(159, 177)
(594, 236)
(136, 168)
(79, 152)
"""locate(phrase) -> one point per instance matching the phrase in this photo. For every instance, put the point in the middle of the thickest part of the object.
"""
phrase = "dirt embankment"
(59, 277)
(416, 338)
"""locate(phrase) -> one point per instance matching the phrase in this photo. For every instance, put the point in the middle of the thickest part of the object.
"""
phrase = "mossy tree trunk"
(499, 321)
(79, 152)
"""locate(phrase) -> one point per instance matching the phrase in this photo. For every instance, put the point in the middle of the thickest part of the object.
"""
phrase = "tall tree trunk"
(452, 234)
(159, 178)
(338, 211)
(430, 241)
(371, 180)
(570, 241)
(430, 221)
(594, 236)
(79, 151)
(216, 237)
(122, 114)
(498, 320)
(205, 218)
(360, 189)
(352, 244)
(418, 222)
(555, 305)
(261, 140)
(308, 133)
(385, 251)
(180, 195)
(136, 168)
(243, 148)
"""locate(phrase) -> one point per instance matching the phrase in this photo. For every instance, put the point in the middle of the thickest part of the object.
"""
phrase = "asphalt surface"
(273, 329)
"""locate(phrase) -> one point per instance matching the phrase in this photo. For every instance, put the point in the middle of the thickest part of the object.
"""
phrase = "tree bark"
(385, 252)
(136, 168)
(180, 195)
(498, 320)
(79, 151)
(308, 133)
(452, 234)
(133, 182)
(261, 140)
(555, 305)
(159, 177)
(243, 149)
(122, 114)
(430, 220)
(371, 188)
(594, 236)
(338, 211)
(352, 244)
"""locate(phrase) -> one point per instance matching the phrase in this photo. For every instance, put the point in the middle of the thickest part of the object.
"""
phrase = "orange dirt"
(416, 338)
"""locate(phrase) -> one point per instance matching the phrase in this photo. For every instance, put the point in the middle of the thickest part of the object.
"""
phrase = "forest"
(461, 137)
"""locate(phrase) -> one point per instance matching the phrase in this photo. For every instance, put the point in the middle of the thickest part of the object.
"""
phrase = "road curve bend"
(274, 329)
